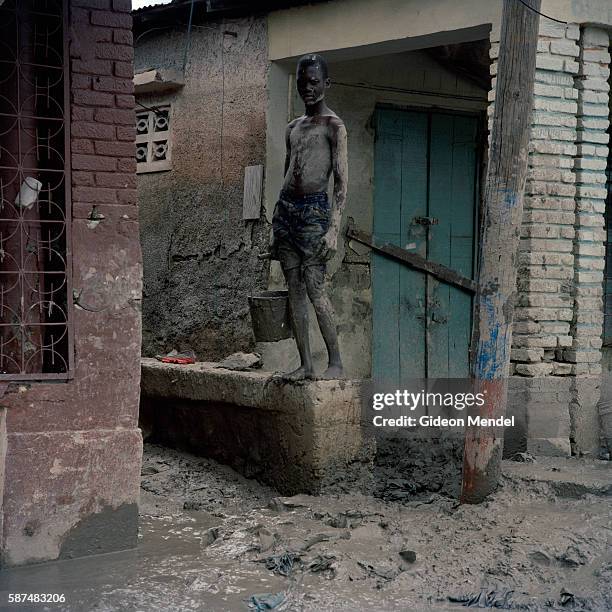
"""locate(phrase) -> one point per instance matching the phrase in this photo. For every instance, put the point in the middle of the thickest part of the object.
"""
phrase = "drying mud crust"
(211, 540)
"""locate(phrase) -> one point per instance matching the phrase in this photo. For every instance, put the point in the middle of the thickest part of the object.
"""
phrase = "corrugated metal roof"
(212, 6)
(150, 6)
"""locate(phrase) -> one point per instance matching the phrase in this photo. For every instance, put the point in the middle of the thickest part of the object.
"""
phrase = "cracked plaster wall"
(200, 257)
(73, 448)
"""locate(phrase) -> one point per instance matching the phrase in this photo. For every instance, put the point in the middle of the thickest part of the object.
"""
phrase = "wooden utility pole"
(503, 213)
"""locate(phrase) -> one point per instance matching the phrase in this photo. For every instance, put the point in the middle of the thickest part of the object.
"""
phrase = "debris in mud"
(324, 537)
(283, 504)
(322, 563)
(523, 458)
(572, 557)
(503, 599)
(282, 564)
(566, 598)
(390, 555)
(266, 601)
(385, 571)
(541, 558)
(343, 520)
(408, 556)
(399, 489)
(340, 521)
(241, 361)
(210, 535)
(266, 539)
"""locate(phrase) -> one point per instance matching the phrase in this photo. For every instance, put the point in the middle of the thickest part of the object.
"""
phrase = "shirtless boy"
(305, 226)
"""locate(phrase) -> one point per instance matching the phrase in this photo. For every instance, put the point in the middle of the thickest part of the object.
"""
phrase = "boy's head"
(312, 78)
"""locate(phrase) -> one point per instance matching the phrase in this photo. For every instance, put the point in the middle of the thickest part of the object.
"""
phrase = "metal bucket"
(270, 316)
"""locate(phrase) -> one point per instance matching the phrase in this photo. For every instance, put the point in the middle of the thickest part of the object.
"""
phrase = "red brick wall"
(74, 449)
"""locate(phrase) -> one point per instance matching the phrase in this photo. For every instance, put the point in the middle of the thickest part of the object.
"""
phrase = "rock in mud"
(408, 555)
(266, 539)
(241, 361)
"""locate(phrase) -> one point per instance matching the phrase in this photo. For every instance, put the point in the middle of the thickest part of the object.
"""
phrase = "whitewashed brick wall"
(590, 169)
(544, 307)
(558, 316)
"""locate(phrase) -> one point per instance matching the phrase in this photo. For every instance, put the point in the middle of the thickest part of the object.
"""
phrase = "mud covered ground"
(211, 539)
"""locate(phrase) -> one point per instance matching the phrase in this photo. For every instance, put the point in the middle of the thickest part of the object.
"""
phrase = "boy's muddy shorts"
(299, 225)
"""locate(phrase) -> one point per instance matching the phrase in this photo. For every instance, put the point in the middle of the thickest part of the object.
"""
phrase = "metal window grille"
(153, 140)
(35, 259)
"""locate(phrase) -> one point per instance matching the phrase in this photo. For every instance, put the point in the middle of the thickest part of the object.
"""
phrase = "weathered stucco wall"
(74, 449)
(355, 103)
(200, 257)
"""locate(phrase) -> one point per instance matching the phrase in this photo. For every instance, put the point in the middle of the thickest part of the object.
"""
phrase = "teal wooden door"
(425, 192)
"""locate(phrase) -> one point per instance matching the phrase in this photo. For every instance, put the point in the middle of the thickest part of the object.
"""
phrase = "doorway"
(425, 200)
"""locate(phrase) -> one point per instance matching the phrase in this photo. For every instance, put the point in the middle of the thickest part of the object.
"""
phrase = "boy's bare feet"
(301, 373)
(333, 372)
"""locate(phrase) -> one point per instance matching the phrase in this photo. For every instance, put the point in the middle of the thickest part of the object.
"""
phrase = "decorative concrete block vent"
(291, 436)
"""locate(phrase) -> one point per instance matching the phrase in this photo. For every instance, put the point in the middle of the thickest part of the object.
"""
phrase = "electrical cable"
(169, 27)
(188, 41)
(417, 92)
(541, 14)
(153, 109)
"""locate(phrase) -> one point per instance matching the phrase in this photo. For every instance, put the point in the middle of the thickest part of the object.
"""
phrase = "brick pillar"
(590, 170)
(539, 388)
(74, 449)
(544, 303)
(558, 318)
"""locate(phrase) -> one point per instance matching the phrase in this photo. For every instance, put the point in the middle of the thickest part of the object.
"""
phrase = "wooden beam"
(412, 260)
(503, 212)
(253, 184)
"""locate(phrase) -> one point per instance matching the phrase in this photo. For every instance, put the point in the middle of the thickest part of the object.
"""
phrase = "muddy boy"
(305, 224)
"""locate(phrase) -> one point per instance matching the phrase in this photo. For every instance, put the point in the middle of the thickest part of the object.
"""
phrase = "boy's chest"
(309, 135)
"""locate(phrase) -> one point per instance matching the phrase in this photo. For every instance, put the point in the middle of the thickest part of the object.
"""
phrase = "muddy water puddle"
(168, 571)
(210, 539)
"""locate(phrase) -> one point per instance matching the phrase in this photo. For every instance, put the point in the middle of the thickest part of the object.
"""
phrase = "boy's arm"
(339, 154)
(288, 146)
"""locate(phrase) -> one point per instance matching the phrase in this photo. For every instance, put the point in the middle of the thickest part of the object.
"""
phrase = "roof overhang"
(179, 10)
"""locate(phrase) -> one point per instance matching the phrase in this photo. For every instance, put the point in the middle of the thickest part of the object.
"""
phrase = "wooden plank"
(452, 201)
(414, 261)
(503, 198)
(442, 202)
(464, 205)
(413, 203)
(385, 273)
(253, 183)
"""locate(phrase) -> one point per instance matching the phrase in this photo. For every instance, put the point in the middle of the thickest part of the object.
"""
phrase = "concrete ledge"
(157, 81)
(291, 436)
